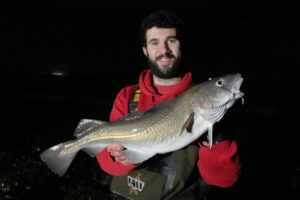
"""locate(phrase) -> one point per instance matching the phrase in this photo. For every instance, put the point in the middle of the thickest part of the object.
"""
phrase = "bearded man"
(184, 174)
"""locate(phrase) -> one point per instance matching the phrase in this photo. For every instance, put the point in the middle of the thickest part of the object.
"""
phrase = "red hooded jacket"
(218, 166)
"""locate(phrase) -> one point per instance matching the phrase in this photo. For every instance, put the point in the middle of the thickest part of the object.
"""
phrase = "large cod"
(166, 127)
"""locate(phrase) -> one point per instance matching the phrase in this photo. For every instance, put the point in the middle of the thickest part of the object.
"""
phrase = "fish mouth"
(235, 90)
(236, 87)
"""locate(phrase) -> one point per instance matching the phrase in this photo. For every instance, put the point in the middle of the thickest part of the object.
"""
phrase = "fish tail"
(57, 160)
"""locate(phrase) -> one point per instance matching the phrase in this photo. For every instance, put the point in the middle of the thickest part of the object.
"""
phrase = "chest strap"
(133, 106)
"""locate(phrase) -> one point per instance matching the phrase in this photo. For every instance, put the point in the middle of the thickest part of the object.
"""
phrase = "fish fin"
(210, 135)
(56, 160)
(85, 125)
(132, 115)
(188, 124)
(136, 157)
(94, 149)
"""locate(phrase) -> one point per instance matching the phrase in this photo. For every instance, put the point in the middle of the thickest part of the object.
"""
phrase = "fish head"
(214, 97)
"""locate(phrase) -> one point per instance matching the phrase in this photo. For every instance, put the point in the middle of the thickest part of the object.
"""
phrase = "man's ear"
(145, 51)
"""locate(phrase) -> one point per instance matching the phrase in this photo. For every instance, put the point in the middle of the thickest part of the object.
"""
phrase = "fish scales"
(166, 127)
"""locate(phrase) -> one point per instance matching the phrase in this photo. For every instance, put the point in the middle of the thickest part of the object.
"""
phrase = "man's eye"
(154, 43)
(172, 40)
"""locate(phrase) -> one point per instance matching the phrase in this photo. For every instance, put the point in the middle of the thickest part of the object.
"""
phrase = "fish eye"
(219, 83)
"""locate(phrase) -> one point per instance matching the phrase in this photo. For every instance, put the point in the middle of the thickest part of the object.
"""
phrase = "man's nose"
(165, 48)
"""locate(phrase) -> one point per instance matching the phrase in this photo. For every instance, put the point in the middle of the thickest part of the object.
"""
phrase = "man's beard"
(172, 72)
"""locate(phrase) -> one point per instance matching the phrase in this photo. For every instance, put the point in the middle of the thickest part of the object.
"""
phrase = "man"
(186, 173)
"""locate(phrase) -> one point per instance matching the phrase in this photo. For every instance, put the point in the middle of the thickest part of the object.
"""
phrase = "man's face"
(163, 52)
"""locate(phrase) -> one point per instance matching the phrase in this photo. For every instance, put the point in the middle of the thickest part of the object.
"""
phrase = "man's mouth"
(165, 58)
(165, 61)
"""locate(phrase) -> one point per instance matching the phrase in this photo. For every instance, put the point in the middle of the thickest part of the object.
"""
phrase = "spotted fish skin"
(166, 127)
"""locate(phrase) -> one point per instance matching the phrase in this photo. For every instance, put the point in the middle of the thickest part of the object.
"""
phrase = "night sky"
(62, 61)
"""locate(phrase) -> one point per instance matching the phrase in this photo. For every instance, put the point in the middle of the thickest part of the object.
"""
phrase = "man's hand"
(115, 150)
(205, 143)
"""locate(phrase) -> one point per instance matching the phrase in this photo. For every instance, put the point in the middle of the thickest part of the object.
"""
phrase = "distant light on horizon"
(56, 73)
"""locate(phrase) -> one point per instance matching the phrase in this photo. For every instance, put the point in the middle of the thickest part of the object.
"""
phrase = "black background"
(63, 61)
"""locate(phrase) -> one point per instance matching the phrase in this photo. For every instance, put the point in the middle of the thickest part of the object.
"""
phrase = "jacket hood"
(147, 86)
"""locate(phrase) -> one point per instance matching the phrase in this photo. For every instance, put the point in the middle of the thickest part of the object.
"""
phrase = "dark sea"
(66, 61)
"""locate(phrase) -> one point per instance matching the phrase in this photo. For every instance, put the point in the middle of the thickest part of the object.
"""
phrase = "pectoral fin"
(188, 125)
(136, 157)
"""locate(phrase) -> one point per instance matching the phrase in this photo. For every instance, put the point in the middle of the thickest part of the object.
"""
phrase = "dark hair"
(161, 19)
